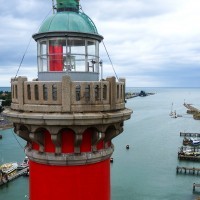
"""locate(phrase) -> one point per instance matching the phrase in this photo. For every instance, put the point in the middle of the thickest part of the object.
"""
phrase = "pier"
(14, 176)
(130, 95)
(188, 170)
(188, 157)
(189, 149)
(185, 134)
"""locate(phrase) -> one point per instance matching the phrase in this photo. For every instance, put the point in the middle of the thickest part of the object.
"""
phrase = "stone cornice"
(68, 119)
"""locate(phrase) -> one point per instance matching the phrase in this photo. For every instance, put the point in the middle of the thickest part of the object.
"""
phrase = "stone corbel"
(109, 136)
(77, 143)
(119, 127)
(38, 138)
(56, 139)
(96, 138)
(24, 134)
(102, 128)
(78, 138)
(114, 132)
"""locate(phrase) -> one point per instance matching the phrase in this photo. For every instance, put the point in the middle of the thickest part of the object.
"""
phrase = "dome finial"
(67, 5)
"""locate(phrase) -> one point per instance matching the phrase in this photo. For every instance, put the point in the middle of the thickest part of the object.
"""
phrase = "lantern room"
(68, 43)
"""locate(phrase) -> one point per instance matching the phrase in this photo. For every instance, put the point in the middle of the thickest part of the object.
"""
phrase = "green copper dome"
(69, 21)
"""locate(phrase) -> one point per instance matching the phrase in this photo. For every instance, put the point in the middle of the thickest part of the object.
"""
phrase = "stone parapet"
(67, 96)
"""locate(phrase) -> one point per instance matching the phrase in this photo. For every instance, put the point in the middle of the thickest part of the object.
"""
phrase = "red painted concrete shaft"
(86, 182)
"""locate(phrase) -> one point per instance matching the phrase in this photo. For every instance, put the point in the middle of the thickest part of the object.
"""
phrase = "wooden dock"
(185, 134)
(188, 170)
(14, 176)
(188, 157)
(190, 148)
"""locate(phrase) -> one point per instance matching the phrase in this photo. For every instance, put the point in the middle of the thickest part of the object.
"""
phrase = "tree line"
(6, 98)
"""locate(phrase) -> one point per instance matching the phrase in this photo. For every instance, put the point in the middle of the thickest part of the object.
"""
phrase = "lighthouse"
(69, 114)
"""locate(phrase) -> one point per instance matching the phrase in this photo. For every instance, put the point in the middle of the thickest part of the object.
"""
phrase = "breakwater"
(142, 93)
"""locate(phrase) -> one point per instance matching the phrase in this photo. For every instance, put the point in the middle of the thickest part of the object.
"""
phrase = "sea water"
(147, 171)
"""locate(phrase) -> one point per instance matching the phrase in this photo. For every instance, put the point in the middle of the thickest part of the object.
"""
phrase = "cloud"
(149, 41)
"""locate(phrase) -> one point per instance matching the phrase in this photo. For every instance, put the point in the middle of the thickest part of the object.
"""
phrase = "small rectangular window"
(29, 92)
(45, 92)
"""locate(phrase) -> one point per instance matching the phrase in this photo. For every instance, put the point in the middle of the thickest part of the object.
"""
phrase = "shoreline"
(130, 95)
(5, 123)
(5, 126)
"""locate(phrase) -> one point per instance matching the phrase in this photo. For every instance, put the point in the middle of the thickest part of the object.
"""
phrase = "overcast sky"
(152, 43)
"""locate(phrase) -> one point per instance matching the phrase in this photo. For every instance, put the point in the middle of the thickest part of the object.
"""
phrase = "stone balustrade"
(67, 96)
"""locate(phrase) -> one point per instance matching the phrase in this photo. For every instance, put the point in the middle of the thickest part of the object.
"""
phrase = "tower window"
(36, 92)
(45, 92)
(78, 93)
(42, 56)
(97, 93)
(54, 92)
(104, 92)
(87, 93)
(29, 92)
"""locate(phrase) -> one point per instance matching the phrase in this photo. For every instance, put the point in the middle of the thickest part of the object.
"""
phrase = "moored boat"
(8, 168)
(194, 141)
(191, 141)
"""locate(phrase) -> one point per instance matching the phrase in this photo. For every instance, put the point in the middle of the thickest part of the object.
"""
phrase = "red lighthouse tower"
(67, 115)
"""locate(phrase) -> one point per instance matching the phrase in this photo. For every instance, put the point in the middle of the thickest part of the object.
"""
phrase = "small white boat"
(8, 168)
(194, 141)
